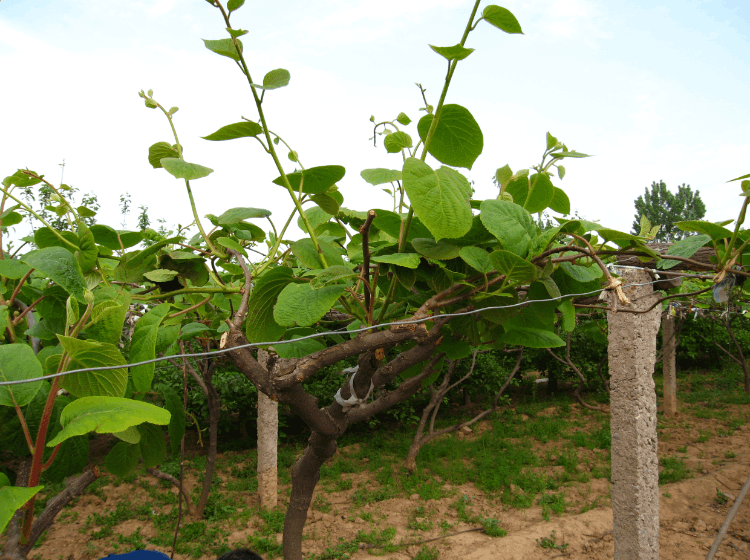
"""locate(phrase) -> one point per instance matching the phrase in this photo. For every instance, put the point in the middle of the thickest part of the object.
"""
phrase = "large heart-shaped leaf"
(477, 258)
(714, 231)
(90, 354)
(260, 325)
(106, 415)
(17, 362)
(457, 140)
(396, 142)
(61, 267)
(378, 176)
(531, 338)
(684, 248)
(440, 199)
(13, 498)
(408, 260)
(299, 305)
(317, 179)
(159, 151)
(512, 225)
(515, 269)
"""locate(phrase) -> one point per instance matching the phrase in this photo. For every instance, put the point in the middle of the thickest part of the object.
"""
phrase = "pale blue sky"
(653, 90)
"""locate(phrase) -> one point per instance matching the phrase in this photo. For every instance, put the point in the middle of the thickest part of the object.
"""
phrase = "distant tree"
(665, 209)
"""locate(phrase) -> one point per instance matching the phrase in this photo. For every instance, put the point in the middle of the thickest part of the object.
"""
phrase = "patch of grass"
(673, 469)
(602, 471)
(270, 547)
(133, 542)
(342, 551)
(682, 449)
(364, 496)
(343, 484)
(427, 553)
(552, 503)
(380, 539)
(274, 519)
(218, 507)
(551, 542)
(703, 436)
(322, 504)
(736, 423)
(461, 505)
(730, 455)
(720, 497)
(445, 526)
(492, 528)
(426, 486)
(568, 459)
(593, 505)
(600, 438)
(122, 512)
(418, 521)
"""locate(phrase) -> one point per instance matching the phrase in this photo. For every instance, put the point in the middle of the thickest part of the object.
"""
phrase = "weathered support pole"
(669, 361)
(635, 465)
(268, 439)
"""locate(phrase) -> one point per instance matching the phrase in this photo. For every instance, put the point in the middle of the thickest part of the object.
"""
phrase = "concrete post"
(635, 465)
(669, 405)
(268, 439)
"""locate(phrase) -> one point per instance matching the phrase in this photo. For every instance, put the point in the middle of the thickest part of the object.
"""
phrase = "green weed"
(703, 436)
(720, 497)
(673, 470)
(427, 553)
(492, 528)
(551, 542)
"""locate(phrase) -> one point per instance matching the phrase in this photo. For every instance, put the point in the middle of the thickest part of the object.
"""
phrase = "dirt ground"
(690, 514)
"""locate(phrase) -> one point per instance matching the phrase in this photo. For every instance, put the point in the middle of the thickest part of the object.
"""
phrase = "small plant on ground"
(720, 497)
(551, 542)
(492, 527)
(673, 469)
(427, 553)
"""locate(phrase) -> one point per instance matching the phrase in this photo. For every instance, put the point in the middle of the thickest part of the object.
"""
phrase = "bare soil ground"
(691, 509)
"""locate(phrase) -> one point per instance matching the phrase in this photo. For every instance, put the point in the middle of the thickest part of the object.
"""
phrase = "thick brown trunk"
(305, 476)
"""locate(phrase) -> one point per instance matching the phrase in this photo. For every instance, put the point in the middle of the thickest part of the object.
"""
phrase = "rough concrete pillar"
(268, 439)
(669, 404)
(635, 465)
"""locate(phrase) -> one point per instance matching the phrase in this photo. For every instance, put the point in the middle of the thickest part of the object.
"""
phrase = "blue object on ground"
(140, 555)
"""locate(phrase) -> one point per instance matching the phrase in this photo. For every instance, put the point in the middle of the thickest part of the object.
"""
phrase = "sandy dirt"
(690, 515)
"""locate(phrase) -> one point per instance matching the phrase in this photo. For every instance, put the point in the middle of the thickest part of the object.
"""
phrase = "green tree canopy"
(665, 209)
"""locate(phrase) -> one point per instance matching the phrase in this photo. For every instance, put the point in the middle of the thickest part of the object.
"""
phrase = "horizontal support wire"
(315, 335)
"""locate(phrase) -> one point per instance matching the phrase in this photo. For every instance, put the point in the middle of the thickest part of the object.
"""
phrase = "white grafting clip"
(353, 400)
